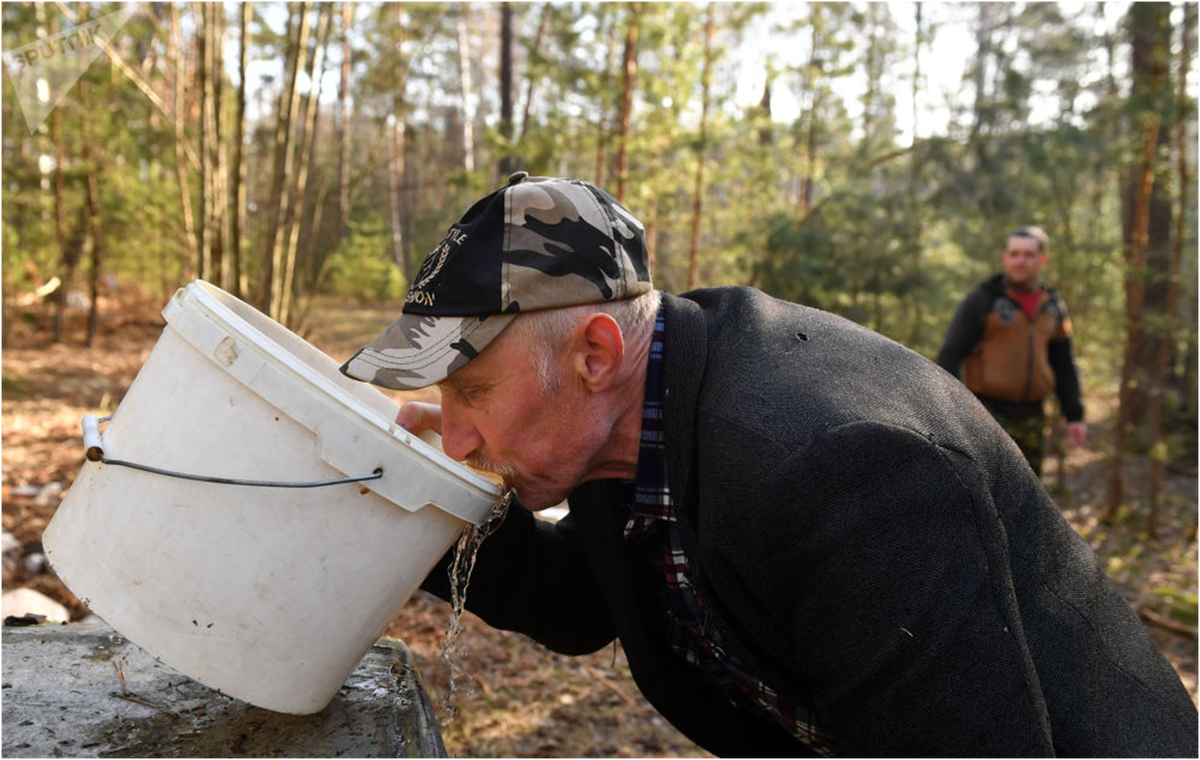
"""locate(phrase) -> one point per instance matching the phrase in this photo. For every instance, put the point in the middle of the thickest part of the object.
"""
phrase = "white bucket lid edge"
(203, 299)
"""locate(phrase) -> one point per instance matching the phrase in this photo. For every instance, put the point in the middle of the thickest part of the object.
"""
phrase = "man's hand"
(419, 417)
(1076, 433)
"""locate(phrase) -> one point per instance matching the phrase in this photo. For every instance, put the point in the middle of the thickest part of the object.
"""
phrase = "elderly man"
(809, 540)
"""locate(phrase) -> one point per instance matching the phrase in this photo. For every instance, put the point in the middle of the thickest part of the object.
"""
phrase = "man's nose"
(459, 437)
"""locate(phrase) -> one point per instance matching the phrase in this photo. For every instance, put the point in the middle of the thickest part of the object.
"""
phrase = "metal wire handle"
(95, 453)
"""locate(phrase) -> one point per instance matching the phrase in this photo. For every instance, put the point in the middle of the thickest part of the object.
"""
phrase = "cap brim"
(418, 350)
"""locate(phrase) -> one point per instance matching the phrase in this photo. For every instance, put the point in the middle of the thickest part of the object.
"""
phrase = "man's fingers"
(419, 416)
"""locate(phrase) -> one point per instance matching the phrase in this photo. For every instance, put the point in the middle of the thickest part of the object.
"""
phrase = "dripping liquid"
(460, 577)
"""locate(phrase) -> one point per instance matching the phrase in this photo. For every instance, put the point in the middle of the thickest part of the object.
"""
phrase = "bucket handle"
(94, 451)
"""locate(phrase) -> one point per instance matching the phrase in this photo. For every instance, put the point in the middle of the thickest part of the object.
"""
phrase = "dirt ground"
(519, 699)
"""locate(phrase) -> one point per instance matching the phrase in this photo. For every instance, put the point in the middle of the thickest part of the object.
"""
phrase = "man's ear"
(598, 347)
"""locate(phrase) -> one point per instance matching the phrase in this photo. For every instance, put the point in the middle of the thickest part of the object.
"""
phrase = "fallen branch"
(1165, 622)
(606, 682)
(131, 697)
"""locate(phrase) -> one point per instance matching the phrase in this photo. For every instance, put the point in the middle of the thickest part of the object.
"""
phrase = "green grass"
(15, 389)
(1179, 605)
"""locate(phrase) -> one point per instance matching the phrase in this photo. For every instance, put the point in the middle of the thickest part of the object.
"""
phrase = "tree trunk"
(237, 278)
(1158, 453)
(181, 172)
(537, 49)
(766, 135)
(60, 227)
(303, 161)
(628, 82)
(91, 164)
(468, 113)
(917, 292)
(396, 194)
(399, 144)
(701, 149)
(916, 82)
(344, 125)
(983, 53)
(1134, 303)
(601, 124)
(866, 147)
(1147, 21)
(215, 200)
(68, 252)
(289, 107)
(508, 162)
(203, 70)
(808, 192)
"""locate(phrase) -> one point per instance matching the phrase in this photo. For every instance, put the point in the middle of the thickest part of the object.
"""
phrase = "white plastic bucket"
(271, 595)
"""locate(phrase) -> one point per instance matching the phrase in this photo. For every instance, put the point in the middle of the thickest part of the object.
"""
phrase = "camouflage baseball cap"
(538, 243)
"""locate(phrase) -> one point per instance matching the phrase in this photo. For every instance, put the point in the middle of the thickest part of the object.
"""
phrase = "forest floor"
(516, 698)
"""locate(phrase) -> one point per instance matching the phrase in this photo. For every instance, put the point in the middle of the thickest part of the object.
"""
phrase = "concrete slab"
(62, 696)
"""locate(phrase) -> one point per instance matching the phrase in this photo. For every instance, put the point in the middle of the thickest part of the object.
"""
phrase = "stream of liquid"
(460, 577)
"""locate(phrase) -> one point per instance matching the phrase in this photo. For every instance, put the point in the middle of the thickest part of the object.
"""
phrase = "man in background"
(1012, 338)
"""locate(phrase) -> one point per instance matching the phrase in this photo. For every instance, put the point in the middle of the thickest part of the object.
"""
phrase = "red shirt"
(1028, 301)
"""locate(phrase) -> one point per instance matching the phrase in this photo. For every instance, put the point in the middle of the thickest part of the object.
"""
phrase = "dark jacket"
(1007, 357)
(863, 534)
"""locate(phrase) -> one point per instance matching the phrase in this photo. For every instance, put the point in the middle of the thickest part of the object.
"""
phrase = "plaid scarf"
(653, 525)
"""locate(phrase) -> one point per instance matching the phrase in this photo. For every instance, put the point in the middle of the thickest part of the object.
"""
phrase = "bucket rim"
(209, 298)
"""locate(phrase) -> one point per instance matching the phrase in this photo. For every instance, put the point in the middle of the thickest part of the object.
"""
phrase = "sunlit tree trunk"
(600, 175)
(766, 135)
(873, 84)
(983, 53)
(808, 189)
(916, 292)
(237, 279)
(508, 163)
(532, 80)
(214, 198)
(68, 251)
(180, 119)
(465, 87)
(303, 160)
(91, 166)
(1147, 22)
(1158, 453)
(289, 109)
(1134, 303)
(628, 83)
(399, 167)
(69, 258)
(344, 122)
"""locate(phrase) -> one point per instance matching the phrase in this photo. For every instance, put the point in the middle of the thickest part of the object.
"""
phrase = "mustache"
(506, 472)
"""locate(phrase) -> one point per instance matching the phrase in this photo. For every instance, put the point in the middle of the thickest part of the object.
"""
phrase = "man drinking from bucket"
(809, 539)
